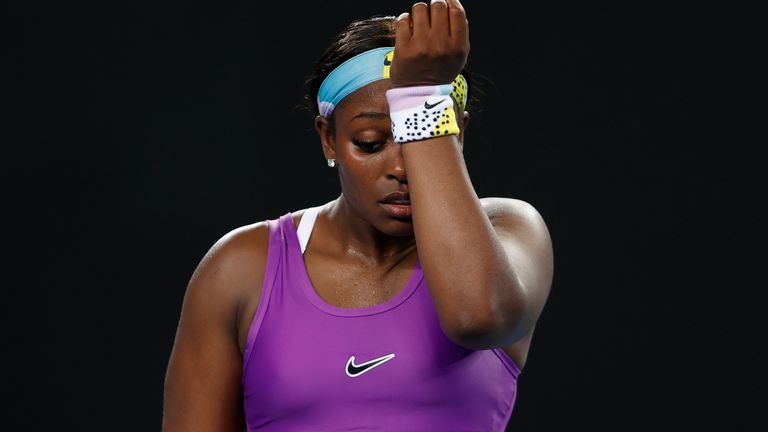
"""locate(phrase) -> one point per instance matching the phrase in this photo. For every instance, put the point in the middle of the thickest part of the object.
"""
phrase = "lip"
(397, 204)
(397, 210)
(396, 197)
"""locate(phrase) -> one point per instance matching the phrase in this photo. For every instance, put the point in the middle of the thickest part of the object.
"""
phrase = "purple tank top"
(309, 365)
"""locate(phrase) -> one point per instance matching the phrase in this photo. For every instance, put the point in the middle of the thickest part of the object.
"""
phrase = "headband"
(363, 69)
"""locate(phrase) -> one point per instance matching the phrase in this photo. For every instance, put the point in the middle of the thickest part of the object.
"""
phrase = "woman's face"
(371, 164)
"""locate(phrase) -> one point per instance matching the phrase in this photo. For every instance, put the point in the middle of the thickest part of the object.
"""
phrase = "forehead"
(369, 98)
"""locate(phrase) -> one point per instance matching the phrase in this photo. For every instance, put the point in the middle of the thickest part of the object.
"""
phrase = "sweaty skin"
(489, 279)
(488, 262)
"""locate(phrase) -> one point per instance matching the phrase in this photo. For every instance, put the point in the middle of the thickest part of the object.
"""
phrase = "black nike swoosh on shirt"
(427, 105)
(354, 370)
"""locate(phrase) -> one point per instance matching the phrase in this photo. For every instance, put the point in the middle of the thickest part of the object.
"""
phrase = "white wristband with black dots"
(421, 112)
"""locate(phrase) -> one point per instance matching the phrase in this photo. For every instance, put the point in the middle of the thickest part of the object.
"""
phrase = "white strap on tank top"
(306, 224)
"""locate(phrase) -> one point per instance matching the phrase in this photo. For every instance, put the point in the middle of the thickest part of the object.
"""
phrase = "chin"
(398, 227)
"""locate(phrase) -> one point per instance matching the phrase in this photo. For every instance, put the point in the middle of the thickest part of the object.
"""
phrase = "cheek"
(356, 178)
(358, 175)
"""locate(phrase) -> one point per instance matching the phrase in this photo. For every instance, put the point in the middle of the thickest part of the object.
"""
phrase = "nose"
(397, 165)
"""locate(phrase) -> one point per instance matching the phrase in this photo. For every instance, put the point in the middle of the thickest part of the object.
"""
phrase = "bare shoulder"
(202, 385)
(242, 244)
(526, 240)
(521, 225)
(507, 213)
(239, 260)
(236, 259)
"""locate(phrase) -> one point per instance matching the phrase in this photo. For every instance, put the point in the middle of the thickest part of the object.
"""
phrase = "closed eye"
(369, 146)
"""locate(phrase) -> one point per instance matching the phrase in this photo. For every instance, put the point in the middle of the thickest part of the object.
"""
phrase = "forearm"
(468, 274)
(478, 298)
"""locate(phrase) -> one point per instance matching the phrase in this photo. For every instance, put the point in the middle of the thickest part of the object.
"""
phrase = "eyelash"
(369, 144)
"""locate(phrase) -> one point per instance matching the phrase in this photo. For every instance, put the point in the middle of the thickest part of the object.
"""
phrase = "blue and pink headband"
(363, 69)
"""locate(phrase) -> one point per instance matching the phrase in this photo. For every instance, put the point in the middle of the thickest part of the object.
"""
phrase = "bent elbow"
(490, 332)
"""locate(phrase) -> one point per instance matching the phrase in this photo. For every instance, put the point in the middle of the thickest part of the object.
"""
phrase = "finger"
(457, 5)
(438, 16)
(420, 17)
(403, 28)
(458, 20)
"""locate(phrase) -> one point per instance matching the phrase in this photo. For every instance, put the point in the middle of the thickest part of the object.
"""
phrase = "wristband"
(422, 112)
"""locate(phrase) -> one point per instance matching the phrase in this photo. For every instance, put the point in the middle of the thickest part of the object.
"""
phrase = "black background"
(135, 134)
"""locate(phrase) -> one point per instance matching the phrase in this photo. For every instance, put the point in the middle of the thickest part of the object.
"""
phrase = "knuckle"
(439, 53)
(438, 4)
(421, 51)
(437, 47)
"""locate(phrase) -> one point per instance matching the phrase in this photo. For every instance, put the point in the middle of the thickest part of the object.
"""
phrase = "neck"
(358, 238)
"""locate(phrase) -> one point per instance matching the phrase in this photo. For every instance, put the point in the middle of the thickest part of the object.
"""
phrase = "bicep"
(203, 385)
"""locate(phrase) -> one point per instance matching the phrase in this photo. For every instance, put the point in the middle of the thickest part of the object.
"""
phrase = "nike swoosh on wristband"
(352, 370)
(427, 105)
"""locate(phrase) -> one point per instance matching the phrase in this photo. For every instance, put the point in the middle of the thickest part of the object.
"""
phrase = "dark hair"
(358, 37)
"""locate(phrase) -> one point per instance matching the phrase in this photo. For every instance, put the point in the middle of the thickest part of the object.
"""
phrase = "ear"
(326, 137)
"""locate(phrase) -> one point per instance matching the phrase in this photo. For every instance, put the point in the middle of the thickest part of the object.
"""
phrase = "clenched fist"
(431, 44)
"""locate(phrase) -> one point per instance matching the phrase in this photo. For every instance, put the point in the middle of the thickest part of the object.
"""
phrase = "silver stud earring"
(331, 162)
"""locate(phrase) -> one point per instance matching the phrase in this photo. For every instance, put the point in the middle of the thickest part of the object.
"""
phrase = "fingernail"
(402, 16)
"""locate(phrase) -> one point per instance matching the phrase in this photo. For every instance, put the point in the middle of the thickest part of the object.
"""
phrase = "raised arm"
(489, 276)
(203, 384)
